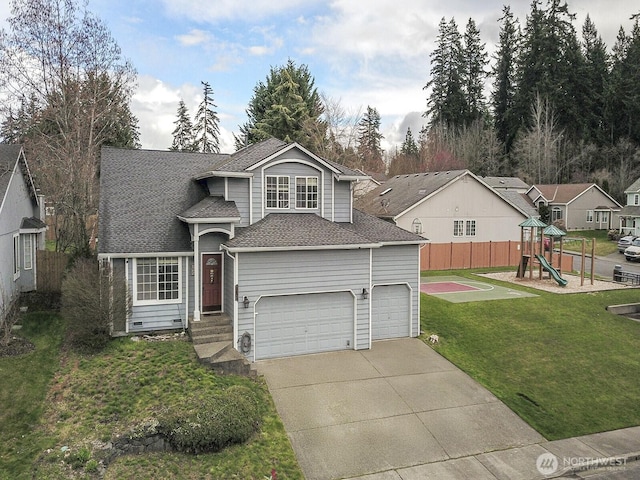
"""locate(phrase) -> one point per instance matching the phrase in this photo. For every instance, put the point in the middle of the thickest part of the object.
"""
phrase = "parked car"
(625, 242)
(633, 252)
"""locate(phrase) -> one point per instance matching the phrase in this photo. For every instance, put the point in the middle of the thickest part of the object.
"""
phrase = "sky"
(360, 53)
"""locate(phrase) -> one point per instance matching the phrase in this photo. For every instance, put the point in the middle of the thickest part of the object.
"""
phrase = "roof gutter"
(360, 246)
(213, 173)
(209, 220)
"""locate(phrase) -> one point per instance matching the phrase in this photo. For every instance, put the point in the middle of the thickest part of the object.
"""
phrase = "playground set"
(532, 239)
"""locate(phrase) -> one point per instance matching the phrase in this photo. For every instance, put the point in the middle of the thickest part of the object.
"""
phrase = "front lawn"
(562, 362)
(59, 407)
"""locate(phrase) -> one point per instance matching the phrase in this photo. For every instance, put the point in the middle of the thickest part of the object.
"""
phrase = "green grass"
(25, 382)
(604, 246)
(97, 397)
(562, 362)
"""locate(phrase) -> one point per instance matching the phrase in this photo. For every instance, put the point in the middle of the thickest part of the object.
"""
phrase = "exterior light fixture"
(245, 301)
(365, 293)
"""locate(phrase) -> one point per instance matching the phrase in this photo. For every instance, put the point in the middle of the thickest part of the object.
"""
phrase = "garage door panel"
(390, 316)
(301, 324)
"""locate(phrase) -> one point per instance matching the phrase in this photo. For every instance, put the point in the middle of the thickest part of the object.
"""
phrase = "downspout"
(186, 300)
(235, 299)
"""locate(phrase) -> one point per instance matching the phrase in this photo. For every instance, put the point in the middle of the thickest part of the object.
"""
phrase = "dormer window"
(306, 192)
(277, 192)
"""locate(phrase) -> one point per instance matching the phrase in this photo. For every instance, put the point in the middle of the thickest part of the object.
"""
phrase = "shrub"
(90, 300)
(217, 421)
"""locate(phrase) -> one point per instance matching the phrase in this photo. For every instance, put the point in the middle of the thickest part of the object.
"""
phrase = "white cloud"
(155, 105)
(194, 37)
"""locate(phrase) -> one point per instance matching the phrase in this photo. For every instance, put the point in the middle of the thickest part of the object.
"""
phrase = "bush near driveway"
(562, 362)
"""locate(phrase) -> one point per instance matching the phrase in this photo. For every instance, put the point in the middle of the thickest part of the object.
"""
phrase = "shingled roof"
(142, 192)
(212, 207)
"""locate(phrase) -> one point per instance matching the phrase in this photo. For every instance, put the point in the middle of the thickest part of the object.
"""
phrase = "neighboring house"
(454, 206)
(578, 206)
(371, 181)
(21, 226)
(513, 190)
(267, 235)
(509, 184)
(629, 216)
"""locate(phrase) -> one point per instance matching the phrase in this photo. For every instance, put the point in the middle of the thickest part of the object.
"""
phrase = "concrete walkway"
(400, 411)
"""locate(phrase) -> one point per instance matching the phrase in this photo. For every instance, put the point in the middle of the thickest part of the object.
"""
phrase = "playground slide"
(552, 271)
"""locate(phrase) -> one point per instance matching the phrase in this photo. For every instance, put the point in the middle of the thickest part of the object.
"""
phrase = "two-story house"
(21, 226)
(629, 216)
(267, 235)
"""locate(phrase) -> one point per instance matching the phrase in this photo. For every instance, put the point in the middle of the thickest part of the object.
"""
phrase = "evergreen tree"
(446, 103)
(206, 126)
(369, 137)
(596, 78)
(473, 73)
(504, 73)
(623, 98)
(409, 146)
(286, 106)
(183, 139)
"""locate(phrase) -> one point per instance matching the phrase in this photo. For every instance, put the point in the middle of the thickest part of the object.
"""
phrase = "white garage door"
(390, 316)
(299, 324)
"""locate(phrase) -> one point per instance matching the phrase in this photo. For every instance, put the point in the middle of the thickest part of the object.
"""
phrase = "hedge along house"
(268, 236)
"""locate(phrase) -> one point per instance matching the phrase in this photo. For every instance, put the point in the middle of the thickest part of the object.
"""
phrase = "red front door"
(212, 282)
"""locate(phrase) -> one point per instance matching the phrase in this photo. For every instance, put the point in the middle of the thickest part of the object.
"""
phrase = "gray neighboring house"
(21, 226)
(268, 236)
(629, 215)
(579, 206)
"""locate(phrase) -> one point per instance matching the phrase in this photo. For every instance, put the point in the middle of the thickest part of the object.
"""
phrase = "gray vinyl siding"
(229, 285)
(399, 264)
(27, 276)
(118, 273)
(164, 316)
(342, 201)
(282, 273)
(238, 192)
(210, 242)
(216, 186)
(17, 205)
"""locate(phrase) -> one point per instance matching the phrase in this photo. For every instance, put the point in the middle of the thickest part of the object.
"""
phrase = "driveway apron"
(398, 405)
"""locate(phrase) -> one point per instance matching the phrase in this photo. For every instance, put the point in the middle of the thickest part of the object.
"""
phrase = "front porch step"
(212, 337)
(211, 329)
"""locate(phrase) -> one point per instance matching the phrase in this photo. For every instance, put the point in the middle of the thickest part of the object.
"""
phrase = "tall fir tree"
(286, 106)
(409, 146)
(596, 79)
(207, 130)
(504, 74)
(183, 138)
(473, 73)
(369, 138)
(446, 103)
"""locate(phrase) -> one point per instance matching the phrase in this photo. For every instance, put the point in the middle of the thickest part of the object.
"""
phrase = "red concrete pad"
(445, 287)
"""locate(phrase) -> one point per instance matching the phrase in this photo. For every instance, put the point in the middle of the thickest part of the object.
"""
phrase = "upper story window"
(306, 192)
(157, 280)
(458, 228)
(465, 228)
(277, 192)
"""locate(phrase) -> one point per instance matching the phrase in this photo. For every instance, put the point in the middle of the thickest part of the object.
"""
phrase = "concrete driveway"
(398, 405)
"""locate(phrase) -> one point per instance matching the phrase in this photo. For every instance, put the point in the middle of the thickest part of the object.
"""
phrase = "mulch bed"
(17, 346)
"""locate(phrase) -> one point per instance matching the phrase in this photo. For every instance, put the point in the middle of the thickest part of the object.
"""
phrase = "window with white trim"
(16, 256)
(27, 252)
(556, 214)
(306, 192)
(158, 280)
(458, 228)
(605, 217)
(277, 191)
(470, 228)
(590, 216)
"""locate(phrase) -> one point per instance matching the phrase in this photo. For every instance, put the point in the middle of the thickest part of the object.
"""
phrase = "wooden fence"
(50, 267)
(448, 256)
